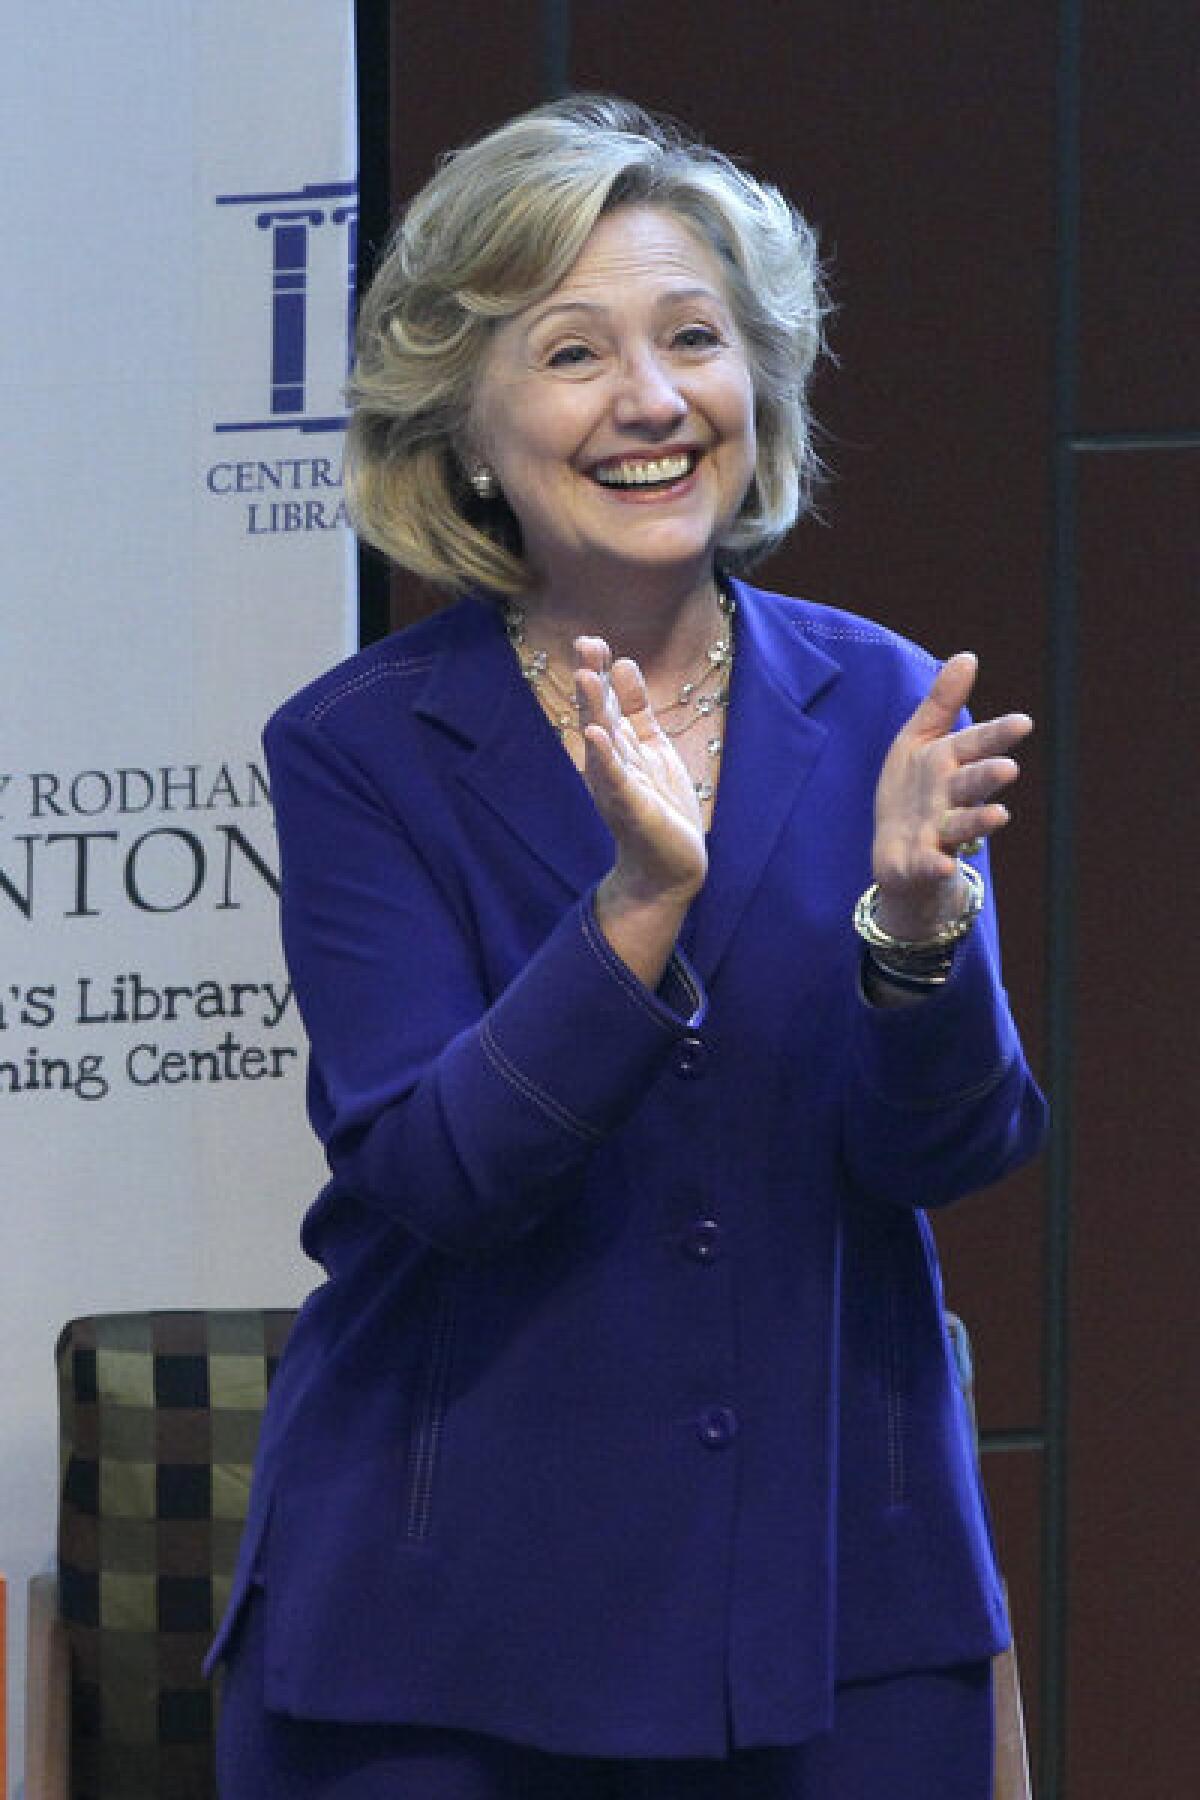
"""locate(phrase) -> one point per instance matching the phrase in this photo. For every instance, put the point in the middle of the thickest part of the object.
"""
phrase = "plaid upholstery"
(159, 1415)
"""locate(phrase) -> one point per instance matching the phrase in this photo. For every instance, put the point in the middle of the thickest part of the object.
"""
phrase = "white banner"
(179, 245)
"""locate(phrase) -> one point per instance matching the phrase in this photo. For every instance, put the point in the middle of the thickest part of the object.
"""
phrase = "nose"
(647, 395)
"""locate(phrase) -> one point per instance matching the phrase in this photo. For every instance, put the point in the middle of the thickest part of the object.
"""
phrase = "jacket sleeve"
(940, 1100)
(462, 1120)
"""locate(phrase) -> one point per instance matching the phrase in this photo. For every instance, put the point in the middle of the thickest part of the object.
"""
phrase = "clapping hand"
(645, 796)
(637, 779)
(938, 791)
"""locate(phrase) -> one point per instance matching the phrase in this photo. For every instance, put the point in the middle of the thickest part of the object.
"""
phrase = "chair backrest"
(159, 1417)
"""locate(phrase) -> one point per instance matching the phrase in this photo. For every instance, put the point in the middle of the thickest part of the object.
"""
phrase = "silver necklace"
(703, 696)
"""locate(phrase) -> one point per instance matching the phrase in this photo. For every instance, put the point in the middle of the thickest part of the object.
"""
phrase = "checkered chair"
(159, 1416)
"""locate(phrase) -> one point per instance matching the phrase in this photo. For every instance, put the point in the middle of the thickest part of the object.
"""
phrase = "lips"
(645, 471)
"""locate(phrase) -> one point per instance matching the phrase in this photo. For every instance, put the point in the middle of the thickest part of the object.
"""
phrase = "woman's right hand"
(645, 796)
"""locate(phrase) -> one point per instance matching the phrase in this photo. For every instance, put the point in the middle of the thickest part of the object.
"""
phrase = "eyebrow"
(597, 308)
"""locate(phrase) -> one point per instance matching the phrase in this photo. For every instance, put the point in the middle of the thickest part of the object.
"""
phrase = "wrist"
(920, 918)
(887, 989)
(924, 956)
(630, 919)
(641, 926)
(629, 889)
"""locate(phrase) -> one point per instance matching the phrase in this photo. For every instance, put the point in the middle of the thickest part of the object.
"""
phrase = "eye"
(696, 337)
(568, 356)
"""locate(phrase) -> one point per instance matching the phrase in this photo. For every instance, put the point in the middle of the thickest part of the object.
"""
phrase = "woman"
(621, 1452)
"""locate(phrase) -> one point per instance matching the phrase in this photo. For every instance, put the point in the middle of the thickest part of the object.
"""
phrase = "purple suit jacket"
(626, 1417)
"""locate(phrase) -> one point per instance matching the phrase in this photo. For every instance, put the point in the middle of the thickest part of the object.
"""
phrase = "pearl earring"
(484, 482)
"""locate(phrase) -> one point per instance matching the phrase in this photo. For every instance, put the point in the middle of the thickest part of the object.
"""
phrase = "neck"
(664, 627)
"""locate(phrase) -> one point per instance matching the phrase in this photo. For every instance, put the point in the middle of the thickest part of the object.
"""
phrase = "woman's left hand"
(937, 791)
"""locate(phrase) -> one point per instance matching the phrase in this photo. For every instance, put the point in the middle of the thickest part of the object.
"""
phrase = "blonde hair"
(495, 230)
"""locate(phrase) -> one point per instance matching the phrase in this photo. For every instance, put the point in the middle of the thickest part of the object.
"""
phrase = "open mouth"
(646, 472)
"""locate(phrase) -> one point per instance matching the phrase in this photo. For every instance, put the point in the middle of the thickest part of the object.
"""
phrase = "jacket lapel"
(771, 747)
(518, 769)
(515, 763)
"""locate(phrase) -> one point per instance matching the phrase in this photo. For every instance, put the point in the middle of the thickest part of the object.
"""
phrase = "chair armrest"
(47, 1695)
(1010, 1777)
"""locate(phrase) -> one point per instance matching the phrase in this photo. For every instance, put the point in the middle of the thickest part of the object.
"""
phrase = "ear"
(482, 478)
(469, 454)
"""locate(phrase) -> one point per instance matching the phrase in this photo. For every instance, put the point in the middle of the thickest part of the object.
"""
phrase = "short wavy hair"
(494, 231)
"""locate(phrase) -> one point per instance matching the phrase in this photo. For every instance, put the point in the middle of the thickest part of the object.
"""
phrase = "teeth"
(644, 474)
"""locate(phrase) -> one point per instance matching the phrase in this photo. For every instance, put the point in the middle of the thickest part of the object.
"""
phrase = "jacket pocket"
(895, 1395)
(429, 1414)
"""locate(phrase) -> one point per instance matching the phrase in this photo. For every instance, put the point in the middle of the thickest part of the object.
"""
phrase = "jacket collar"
(517, 768)
(771, 747)
(515, 764)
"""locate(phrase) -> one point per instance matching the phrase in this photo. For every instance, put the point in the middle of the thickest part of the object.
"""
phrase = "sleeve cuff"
(577, 1035)
(952, 1047)
(562, 1057)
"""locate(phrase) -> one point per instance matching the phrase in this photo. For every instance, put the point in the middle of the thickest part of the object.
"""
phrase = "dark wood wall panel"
(1005, 196)
(920, 141)
(1135, 1325)
(457, 68)
(991, 1254)
(1139, 259)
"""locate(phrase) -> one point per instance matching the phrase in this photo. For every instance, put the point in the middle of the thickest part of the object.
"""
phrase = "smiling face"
(618, 411)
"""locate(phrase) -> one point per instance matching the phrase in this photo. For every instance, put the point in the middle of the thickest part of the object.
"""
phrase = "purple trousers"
(928, 1736)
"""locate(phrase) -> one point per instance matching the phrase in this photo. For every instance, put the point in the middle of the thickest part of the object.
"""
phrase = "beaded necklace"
(701, 697)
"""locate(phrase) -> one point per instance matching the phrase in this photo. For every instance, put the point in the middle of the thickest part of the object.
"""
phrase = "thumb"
(948, 693)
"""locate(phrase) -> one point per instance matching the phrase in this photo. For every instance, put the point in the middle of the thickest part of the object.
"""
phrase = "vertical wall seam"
(1063, 887)
(556, 48)
(372, 67)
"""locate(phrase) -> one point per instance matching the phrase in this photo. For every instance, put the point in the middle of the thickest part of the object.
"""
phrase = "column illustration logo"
(312, 234)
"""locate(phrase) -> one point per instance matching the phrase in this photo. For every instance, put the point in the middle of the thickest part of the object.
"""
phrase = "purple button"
(691, 1057)
(717, 1426)
(702, 1239)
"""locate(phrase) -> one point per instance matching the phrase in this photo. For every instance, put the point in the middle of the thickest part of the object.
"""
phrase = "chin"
(683, 568)
(661, 543)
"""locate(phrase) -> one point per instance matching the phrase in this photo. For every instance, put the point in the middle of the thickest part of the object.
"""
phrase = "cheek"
(739, 408)
(494, 423)
(527, 434)
(744, 427)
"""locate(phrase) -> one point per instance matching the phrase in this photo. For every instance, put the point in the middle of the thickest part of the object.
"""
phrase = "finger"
(962, 827)
(591, 693)
(600, 712)
(612, 778)
(979, 781)
(629, 686)
(920, 864)
(601, 764)
(990, 737)
(948, 693)
(593, 653)
(592, 658)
